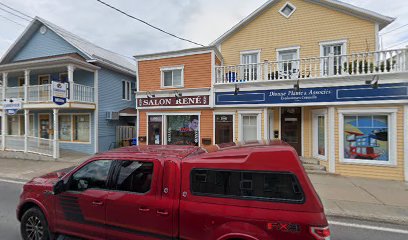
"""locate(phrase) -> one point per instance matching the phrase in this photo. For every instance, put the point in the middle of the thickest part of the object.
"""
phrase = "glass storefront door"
(155, 130)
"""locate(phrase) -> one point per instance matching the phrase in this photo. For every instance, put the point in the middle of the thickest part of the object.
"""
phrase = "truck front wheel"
(34, 226)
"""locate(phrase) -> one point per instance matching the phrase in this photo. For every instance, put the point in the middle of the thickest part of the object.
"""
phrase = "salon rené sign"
(173, 101)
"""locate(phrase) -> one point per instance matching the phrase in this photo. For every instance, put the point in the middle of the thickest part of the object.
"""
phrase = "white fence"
(39, 93)
(34, 144)
(40, 145)
(15, 143)
(367, 63)
(83, 93)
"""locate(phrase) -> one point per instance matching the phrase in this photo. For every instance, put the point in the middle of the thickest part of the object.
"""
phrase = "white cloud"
(199, 20)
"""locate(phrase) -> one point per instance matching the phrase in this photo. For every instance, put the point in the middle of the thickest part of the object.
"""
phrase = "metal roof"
(93, 52)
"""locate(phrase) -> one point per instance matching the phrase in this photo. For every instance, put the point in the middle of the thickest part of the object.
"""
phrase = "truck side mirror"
(59, 187)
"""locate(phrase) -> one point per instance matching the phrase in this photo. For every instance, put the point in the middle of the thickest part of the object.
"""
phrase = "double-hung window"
(250, 64)
(75, 128)
(172, 77)
(288, 62)
(126, 90)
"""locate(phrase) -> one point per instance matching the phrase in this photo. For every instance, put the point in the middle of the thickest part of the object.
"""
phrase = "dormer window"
(287, 10)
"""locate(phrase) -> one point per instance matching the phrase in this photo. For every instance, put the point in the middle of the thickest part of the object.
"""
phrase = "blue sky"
(199, 20)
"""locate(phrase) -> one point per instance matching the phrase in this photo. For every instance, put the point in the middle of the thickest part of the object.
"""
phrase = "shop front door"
(224, 129)
(155, 130)
(291, 127)
(45, 126)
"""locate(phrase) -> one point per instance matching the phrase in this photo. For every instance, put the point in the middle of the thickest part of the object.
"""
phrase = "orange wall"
(206, 121)
(197, 71)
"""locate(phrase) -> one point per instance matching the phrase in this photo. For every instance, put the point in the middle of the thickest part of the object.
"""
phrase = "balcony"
(356, 64)
(42, 93)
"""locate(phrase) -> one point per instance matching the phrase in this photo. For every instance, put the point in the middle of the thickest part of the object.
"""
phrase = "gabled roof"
(92, 52)
(346, 8)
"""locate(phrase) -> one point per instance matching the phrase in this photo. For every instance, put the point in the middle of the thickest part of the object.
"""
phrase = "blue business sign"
(315, 95)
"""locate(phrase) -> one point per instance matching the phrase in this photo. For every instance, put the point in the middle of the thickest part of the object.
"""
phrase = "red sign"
(173, 101)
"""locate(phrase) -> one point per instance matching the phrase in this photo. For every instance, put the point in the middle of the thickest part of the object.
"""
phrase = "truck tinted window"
(269, 186)
(134, 176)
(92, 175)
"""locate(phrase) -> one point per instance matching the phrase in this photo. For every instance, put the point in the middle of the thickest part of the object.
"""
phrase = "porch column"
(55, 153)
(71, 69)
(26, 128)
(26, 84)
(332, 142)
(4, 115)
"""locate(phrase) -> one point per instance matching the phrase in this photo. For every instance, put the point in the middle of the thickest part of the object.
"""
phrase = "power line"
(25, 15)
(12, 20)
(394, 29)
(15, 14)
(148, 24)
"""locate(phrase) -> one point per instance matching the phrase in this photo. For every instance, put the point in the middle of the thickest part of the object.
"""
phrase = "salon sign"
(173, 101)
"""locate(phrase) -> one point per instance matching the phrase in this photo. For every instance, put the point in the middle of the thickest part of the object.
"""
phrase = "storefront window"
(81, 128)
(183, 130)
(321, 140)
(249, 127)
(366, 137)
(13, 125)
(65, 128)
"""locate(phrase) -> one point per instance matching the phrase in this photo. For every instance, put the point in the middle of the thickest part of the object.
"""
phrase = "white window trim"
(162, 69)
(279, 50)
(257, 51)
(315, 114)
(258, 114)
(44, 75)
(128, 90)
(164, 124)
(284, 5)
(72, 127)
(233, 124)
(392, 133)
(406, 142)
(335, 42)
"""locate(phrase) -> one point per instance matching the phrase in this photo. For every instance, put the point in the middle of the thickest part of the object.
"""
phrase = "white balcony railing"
(39, 93)
(42, 93)
(367, 63)
(83, 93)
(14, 92)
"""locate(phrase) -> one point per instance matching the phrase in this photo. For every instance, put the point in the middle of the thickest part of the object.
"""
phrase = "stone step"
(316, 172)
(314, 167)
(310, 161)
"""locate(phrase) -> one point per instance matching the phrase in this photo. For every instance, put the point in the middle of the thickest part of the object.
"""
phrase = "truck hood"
(51, 178)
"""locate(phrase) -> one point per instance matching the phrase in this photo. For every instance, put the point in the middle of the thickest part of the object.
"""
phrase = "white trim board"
(392, 133)
(406, 142)
(315, 114)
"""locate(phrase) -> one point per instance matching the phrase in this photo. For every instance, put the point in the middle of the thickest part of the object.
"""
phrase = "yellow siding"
(391, 173)
(309, 25)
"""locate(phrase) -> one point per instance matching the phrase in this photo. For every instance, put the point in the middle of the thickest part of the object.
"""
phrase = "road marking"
(382, 229)
(12, 181)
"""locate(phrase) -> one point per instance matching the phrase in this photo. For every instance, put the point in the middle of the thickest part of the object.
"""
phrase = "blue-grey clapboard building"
(99, 97)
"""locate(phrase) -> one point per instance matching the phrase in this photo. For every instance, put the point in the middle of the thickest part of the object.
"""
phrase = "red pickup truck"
(250, 192)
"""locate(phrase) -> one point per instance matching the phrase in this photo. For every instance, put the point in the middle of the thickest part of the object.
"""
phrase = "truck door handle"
(97, 203)
(143, 209)
(162, 212)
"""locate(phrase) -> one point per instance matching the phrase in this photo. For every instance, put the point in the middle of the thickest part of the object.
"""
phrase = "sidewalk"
(362, 198)
(359, 198)
(24, 170)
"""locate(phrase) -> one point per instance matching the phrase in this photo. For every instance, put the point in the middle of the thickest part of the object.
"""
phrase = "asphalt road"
(342, 229)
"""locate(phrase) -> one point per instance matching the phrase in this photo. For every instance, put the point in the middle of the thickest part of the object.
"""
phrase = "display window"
(183, 130)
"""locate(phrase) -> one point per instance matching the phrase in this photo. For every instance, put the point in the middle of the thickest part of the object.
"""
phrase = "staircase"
(312, 166)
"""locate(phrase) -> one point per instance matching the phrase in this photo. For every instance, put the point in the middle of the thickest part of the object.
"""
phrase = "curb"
(14, 180)
(369, 217)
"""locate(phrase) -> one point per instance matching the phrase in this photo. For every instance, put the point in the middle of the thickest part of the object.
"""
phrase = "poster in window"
(366, 137)
(183, 130)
